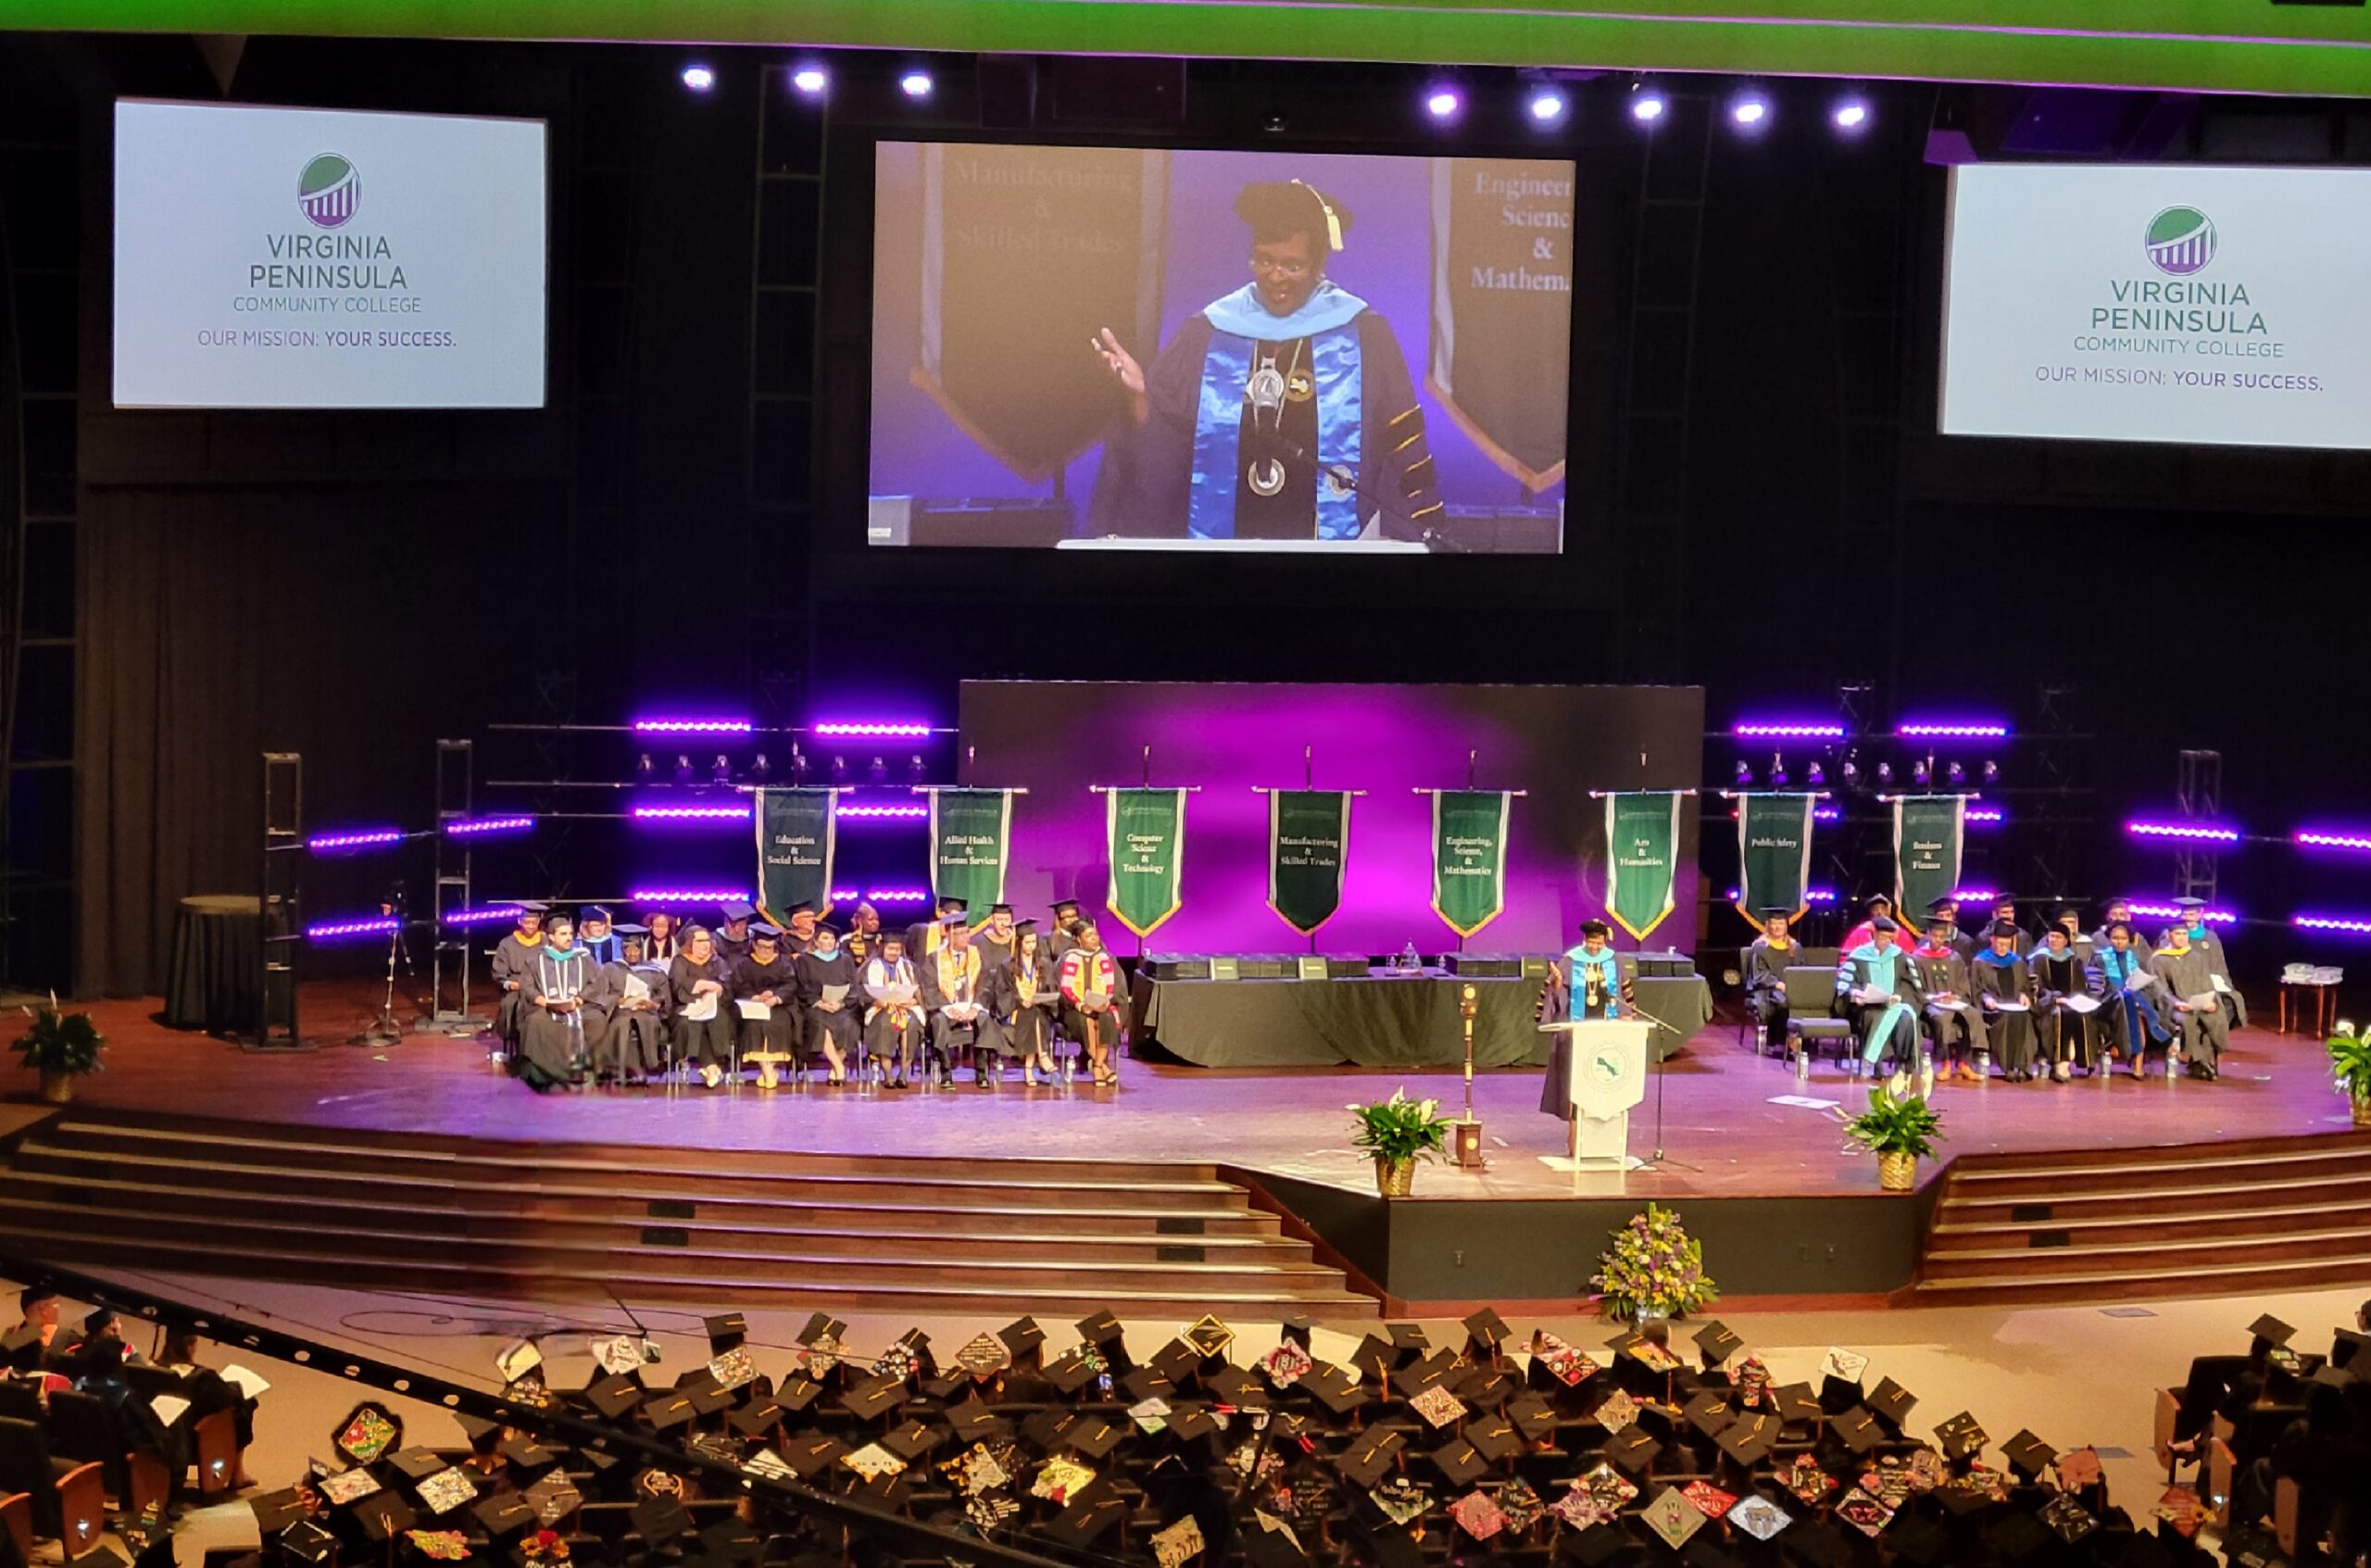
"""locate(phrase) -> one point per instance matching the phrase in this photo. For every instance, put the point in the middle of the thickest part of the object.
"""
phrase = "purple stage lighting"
(1986, 814)
(897, 895)
(1788, 731)
(916, 83)
(1827, 813)
(2353, 925)
(340, 929)
(1546, 105)
(483, 914)
(2166, 910)
(2353, 840)
(2183, 830)
(692, 813)
(1811, 894)
(878, 813)
(699, 78)
(1959, 730)
(841, 894)
(361, 838)
(693, 726)
(689, 895)
(1850, 115)
(480, 827)
(1442, 103)
(1973, 896)
(1646, 105)
(810, 81)
(893, 727)
(1749, 111)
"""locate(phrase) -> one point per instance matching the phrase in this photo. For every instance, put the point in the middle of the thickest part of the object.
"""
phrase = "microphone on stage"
(1341, 474)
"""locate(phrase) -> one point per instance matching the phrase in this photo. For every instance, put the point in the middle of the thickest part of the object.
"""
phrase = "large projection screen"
(1138, 348)
(2178, 303)
(314, 258)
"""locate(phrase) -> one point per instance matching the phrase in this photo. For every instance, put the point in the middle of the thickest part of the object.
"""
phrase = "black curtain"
(352, 626)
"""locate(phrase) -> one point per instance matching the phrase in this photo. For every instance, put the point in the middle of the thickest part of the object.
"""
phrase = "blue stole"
(2115, 969)
(604, 949)
(1883, 975)
(1607, 966)
(1239, 324)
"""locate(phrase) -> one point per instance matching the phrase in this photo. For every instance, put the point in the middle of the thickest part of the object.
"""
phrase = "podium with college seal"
(1603, 1064)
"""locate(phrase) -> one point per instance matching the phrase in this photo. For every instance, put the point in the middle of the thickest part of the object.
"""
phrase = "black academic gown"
(2203, 1031)
(2006, 979)
(556, 1042)
(634, 1038)
(1765, 983)
(512, 960)
(951, 977)
(1865, 969)
(708, 1041)
(1943, 973)
(994, 950)
(893, 1030)
(1025, 1020)
(776, 1036)
(815, 975)
(2064, 1036)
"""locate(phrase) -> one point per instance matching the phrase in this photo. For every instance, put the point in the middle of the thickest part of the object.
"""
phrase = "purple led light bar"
(2148, 906)
(1955, 731)
(361, 838)
(2183, 830)
(1973, 896)
(483, 914)
(841, 894)
(691, 813)
(1986, 814)
(2352, 926)
(332, 930)
(882, 727)
(875, 813)
(689, 895)
(2354, 841)
(1827, 813)
(1788, 730)
(693, 726)
(472, 827)
(1811, 894)
(898, 894)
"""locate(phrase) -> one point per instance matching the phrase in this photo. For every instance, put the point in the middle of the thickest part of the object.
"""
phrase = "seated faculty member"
(698, 985)
(1876, 987)
(894, 1018)
(828, 1000)
(764, 990)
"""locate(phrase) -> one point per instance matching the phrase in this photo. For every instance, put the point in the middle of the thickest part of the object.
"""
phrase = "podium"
(1604, 1061)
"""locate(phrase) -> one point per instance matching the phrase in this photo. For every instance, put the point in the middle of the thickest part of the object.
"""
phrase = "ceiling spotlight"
(1443, 102)
(915, 83)
(1885, 773)
(1922, 773)
(1956, 773)
(1851, 772)
(699, 78)
(723, 771)
(810, 81)
(1778, 772)
(1815, 775)
(1850, 114)
(1749, 111)
(1745, 775)
(1546, 104)
(1992, 772)
(1647, 104)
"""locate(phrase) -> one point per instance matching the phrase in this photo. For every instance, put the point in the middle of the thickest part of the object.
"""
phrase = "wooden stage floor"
(1721, 1133)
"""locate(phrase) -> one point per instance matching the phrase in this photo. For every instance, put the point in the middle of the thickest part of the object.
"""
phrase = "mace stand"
(1604, 1066)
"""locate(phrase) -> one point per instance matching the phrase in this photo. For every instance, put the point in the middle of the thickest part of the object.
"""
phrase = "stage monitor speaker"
(1483, 966)
(1348, 966)
(1177, 966)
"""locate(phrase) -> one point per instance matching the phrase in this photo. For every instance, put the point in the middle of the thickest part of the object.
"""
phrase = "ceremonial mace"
(1465, 1150)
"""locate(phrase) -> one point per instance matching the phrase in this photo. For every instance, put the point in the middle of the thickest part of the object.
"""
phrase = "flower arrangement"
(1396, 1133)
(1654, 1268)
(61, 1047)
(1895, 1126)
(2351, 1068)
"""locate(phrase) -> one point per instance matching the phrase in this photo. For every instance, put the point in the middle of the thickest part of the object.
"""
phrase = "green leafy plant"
(1399, 1128)
(2350, 1065)
(1653, 1266)
(1895, 1126)
(65, 1043)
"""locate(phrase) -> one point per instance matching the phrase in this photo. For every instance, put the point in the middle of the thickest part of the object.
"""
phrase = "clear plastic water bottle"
(1409, 962)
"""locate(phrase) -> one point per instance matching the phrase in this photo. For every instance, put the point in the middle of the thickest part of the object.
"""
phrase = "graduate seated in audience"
(28, 1342)
(2005, 989)
(698, 986)
(208, 1392)
(566, 1010)
(1023, 993)
(2132, 998)
(514, 956)
(1765, 976)
(632, 1043)
(1876, 989)
(1090, 987)
(2199, 1016)
(959, 1014)
(894, 1017)
(1954, 1023)
(765, 990)
(828, 1001)
(2064, 1010)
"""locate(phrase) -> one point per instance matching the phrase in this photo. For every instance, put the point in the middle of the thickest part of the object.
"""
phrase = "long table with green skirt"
(1382, 1021)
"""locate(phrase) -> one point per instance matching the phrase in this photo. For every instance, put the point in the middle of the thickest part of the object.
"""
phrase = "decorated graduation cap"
(1277, 210)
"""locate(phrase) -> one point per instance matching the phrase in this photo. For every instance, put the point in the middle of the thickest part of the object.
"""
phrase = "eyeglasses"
(1289, 270)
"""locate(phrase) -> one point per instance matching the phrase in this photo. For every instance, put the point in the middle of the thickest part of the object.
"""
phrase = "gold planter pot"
(57, 1088)
(1393, 1178)
(2361, 1111)
(1897, 1173)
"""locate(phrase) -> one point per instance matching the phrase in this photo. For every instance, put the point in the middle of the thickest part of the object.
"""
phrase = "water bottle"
(1409, 962)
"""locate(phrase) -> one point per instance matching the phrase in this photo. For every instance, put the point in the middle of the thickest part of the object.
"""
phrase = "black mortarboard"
(667, 1410)
(2027, 1455)
(275, 1511)
(505, 1513)
(1486, 1329)
(1961, 1436)
(1050, 1426)
(821, 1325)
(1021, 1336)
(1460, 1460)
(1892, 1402)
(757, 1418)
(1718, 1343)
(1092, 1511)
(1596, 1546)
(418, 1465)
(476, 1429)
(1858, 1428)
(1795, 1401)
(529, 907)
(2016, 1537)
(24, 1337)
(1633, 1450)
(304, 1542)
(614, 1396)
(811, 1453)
(1707, 1412)
(2000, 928)
(874, 1398)
(1192, 1420)
(1775, 911)
(735, 910)
(629, 928)
(1147, 1382)
(1274, 1549)
(1094, 1436)
(1487, 1386)
(1424, 1372)
(1099, 1327)
(1883, 922)
(1370, 1454)
(2188, 902)
(729, 1540)
(1533, 1416)
(1748, 1441)
(914, 1439)
(765, 931)
(1408, 1336)
(383, 1515)
(660, 1520)
(1277, 210)
(797, 1391)
(1337, 1388)
(1374, 1356)
(708, 1398)
(527, 1454)
(1071, 1372)
(2271, 1330)
(1176, 1361)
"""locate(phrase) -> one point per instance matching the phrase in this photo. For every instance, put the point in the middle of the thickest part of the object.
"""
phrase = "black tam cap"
(1883, 922)
(764, 931)
(1062, 906)
(1945, 904)
(2001, 928)
(591, 912)
(1277, 210)
(1775, 911)
(801, 908)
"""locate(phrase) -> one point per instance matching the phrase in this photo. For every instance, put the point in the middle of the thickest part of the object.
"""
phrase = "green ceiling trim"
(2207, 45)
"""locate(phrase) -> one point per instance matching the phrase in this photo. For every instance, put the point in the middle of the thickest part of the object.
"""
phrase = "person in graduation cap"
(1876, 907)
(664, 943)
(1585, 982)
(1282, 411)
(36, 1323)
(1088, 979)
(2200, 1021)
(1064, 936)
(863, 938)
(698, 986)
(2005, 912)
(1876, 989)
(513, 957)
(564, 1009)
(923, 936)
(950, 980)
(800, 925)
(2005, 989)
(2065, 1029)
(595, 935)
(2117, 909)
(1765, 974)
(2205, 940)
(732, 937)
(2133, 999)
(1023, 992)
(633, 1044)
(765, 989)
(1956, 939)
(1955, 1024)
(828, 1000)
(2070, 920)
(995, 938)
(894, 1017)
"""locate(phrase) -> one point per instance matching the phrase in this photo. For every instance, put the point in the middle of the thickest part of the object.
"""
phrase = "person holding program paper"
(1954, 1024)
(703, 1012)
(2064, 1005)
(1877, 984)
(2201, 1021)
(2120, 974)
(1090, 983)
(2005, 989)
(892, 1013)
(1765, 974)
(2208, 944)
(827, 1000)
(633, 1045)
(764, 990)
(1021, 993)
(565, 1009)
(951, 994)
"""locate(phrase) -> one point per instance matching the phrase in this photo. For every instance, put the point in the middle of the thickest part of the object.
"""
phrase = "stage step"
(571, 1222)
(2084, 1224)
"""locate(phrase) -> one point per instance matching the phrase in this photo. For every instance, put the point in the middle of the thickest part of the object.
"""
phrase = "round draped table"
(218, 964)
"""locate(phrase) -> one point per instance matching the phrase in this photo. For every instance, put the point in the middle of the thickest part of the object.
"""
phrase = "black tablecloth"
(218, 963)
(1396, 1021)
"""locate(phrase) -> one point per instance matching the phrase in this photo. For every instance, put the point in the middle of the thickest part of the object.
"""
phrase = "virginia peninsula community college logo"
(2181, 241)
(330, 191)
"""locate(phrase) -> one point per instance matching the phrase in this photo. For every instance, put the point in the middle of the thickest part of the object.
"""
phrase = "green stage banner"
(1774, 853)
(798, 835)
(1641, 851)
(1928, 832)
(1468, 857)
(1144, 830)
(1309, 843)
(970, 839)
